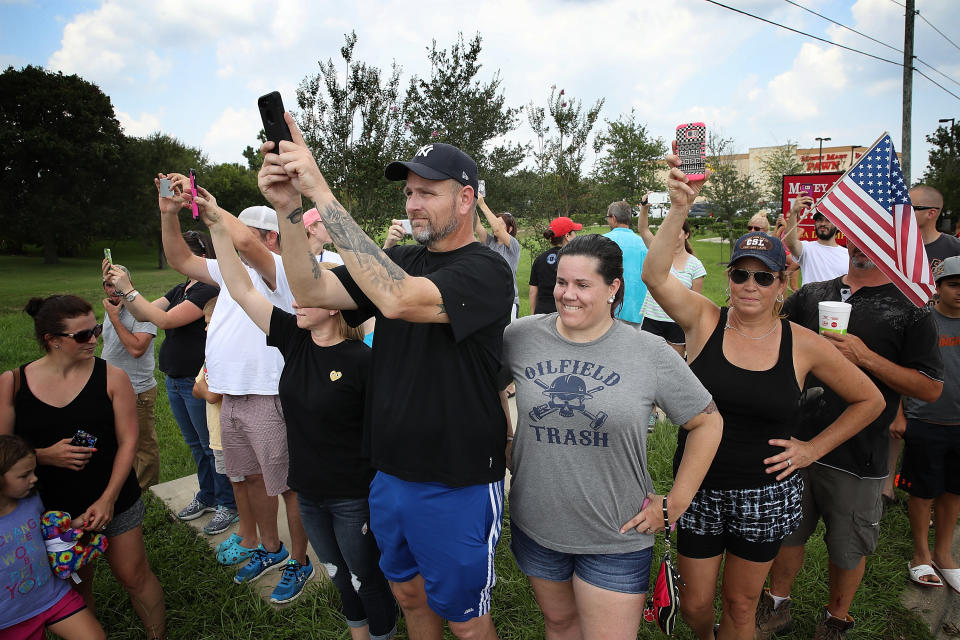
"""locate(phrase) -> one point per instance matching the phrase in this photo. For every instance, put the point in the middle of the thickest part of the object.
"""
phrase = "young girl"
(33, 598)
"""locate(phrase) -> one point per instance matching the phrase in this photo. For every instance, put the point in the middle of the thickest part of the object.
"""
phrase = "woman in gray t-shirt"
(585, 386)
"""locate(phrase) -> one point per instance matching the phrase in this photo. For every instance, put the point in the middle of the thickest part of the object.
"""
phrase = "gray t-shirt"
(942, 248)
(139, 369)
(580, 451)
(511, 254)
(946, 410)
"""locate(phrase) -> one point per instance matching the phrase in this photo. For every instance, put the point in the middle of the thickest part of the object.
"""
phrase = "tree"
(354, 130)
(628, 159)
(943, 168)
(731, 193)
(454, 106)
(60, 145)
(252, 154)
(782, 161)
(560, 148)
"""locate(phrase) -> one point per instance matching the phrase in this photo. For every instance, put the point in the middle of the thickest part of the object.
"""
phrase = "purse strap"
(666, 524)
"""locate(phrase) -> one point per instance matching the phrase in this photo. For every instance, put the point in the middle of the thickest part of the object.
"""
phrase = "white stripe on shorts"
(495, 491)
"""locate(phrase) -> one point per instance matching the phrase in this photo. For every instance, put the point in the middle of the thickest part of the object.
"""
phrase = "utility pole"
(907, 89)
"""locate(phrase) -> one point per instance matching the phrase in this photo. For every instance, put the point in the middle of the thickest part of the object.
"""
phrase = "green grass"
(202, 600)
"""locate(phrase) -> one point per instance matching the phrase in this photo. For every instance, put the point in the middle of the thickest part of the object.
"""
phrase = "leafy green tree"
(456, 107)
(354, 130)
(782, 161)
(943, 169)
(562, 129)
(628, 159)
(60, 144)
(731, 193)
(253, 155)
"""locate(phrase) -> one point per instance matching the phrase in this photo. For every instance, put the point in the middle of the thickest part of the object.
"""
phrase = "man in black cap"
(820, 259)
(434, 427)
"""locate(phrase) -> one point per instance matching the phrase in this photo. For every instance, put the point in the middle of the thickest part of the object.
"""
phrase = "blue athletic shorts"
(448, 535)
(620, 572)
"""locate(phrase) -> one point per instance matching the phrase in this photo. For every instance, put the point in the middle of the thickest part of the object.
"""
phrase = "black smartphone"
(271, 113)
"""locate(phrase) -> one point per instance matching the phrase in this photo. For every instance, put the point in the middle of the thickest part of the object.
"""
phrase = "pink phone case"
(692, 149)
(193, 192)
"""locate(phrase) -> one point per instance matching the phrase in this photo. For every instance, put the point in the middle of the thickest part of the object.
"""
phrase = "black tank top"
(42, 426)
(756, 406)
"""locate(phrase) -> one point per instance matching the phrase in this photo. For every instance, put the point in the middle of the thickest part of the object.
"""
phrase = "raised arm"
(395, 293)
(156, 311)
(694, 313)
(864, 403)
(497, 226)
(643, 222)
(235, 277)
(175, 248)
(792, 220)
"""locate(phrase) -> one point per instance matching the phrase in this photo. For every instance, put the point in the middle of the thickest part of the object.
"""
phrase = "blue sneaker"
(261, 562)
(294, 579)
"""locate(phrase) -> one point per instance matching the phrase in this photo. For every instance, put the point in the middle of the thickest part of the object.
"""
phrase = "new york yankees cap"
(766, 249)
(437, 161)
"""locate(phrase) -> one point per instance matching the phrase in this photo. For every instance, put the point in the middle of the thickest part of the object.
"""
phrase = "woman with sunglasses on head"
(754, 364)
(48, 402)
(586, 382)
(179, 312)
(686, 267)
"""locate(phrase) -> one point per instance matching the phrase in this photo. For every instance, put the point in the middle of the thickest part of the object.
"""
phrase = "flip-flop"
(950, 576)
(921, 571)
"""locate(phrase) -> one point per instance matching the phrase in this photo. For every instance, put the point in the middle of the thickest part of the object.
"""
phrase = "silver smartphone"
(658, 197)
(407, 227)
(165, 190)
(482, 188)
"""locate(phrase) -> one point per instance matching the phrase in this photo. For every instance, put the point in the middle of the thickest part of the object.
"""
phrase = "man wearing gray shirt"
(128, 344)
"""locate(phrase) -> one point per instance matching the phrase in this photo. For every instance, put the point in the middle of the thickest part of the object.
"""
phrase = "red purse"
(665, 603)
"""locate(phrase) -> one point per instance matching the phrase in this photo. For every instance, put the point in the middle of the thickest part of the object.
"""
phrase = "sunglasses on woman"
(752, 228)
(85, 335)
(762, 278)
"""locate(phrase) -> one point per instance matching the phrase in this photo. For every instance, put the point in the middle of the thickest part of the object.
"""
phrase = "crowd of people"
(391, 459)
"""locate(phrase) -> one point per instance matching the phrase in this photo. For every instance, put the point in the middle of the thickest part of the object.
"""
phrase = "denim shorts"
(618, 572)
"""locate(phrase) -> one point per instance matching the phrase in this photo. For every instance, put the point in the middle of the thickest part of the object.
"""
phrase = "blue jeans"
(339, 532)
(191, 415)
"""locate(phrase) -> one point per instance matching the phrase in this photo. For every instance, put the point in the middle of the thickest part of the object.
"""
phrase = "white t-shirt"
(692, 270)
(239, 362)
(820, 262)
(329, 256)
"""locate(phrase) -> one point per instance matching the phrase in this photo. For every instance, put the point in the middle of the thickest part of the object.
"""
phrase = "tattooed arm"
(395, 293)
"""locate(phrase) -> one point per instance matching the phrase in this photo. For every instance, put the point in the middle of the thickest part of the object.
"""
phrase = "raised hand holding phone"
(193, 193)
(692, 149)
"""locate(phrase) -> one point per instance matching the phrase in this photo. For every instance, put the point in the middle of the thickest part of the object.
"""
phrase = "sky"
(194, 70)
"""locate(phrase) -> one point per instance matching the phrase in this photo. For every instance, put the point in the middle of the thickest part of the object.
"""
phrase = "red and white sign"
(795, 186)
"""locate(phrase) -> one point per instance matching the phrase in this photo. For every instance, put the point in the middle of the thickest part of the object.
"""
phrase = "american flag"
(871, 206)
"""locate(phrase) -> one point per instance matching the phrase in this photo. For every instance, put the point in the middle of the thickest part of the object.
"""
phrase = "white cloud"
(230, 133)
(140, 127)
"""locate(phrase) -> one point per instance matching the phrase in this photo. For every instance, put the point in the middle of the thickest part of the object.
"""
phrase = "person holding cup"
(754, 363)
(895, 344)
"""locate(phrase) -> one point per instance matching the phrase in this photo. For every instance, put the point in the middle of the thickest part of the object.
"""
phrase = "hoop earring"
(726, 292)
(780, 298)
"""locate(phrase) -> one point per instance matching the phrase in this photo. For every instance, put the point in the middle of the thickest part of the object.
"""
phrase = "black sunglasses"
(921, 208)
(85, 335)
(749, 228)
(194, 235)
(762, 278)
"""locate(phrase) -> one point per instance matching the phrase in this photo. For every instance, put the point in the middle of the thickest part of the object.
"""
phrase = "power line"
(938, 30)
(859, 33)
(899, 4)
(803, 33)
(936, 70)
(834, 44)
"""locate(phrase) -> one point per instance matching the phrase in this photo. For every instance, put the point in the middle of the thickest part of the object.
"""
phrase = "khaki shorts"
(254, 437)
(851, 509)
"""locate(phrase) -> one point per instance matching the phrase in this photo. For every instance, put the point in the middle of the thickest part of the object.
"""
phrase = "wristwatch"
(132, 295)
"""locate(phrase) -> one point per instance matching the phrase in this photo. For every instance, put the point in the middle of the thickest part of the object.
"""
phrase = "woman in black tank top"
(48, 402)
(754, 364)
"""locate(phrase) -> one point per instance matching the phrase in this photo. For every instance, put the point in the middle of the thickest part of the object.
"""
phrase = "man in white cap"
(246, 372)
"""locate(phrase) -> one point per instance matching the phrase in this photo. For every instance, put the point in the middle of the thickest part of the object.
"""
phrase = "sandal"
(232, 540)
(234, 553)
(950, 576)
(921, 571)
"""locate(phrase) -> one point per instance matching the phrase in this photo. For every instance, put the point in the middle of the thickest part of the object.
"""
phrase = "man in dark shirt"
(895, 344)
(434, 426)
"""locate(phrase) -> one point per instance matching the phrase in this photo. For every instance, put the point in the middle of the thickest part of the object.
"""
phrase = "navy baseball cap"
(437, 161)
(766, 249)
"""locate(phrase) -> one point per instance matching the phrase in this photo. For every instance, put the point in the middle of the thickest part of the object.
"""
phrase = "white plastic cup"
(834, 316)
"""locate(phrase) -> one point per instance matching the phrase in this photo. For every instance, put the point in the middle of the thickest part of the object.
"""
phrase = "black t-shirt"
(433, 409)
(181, 354)
(942, 248)
(889, 325)
(322, 392)
(543, 275)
